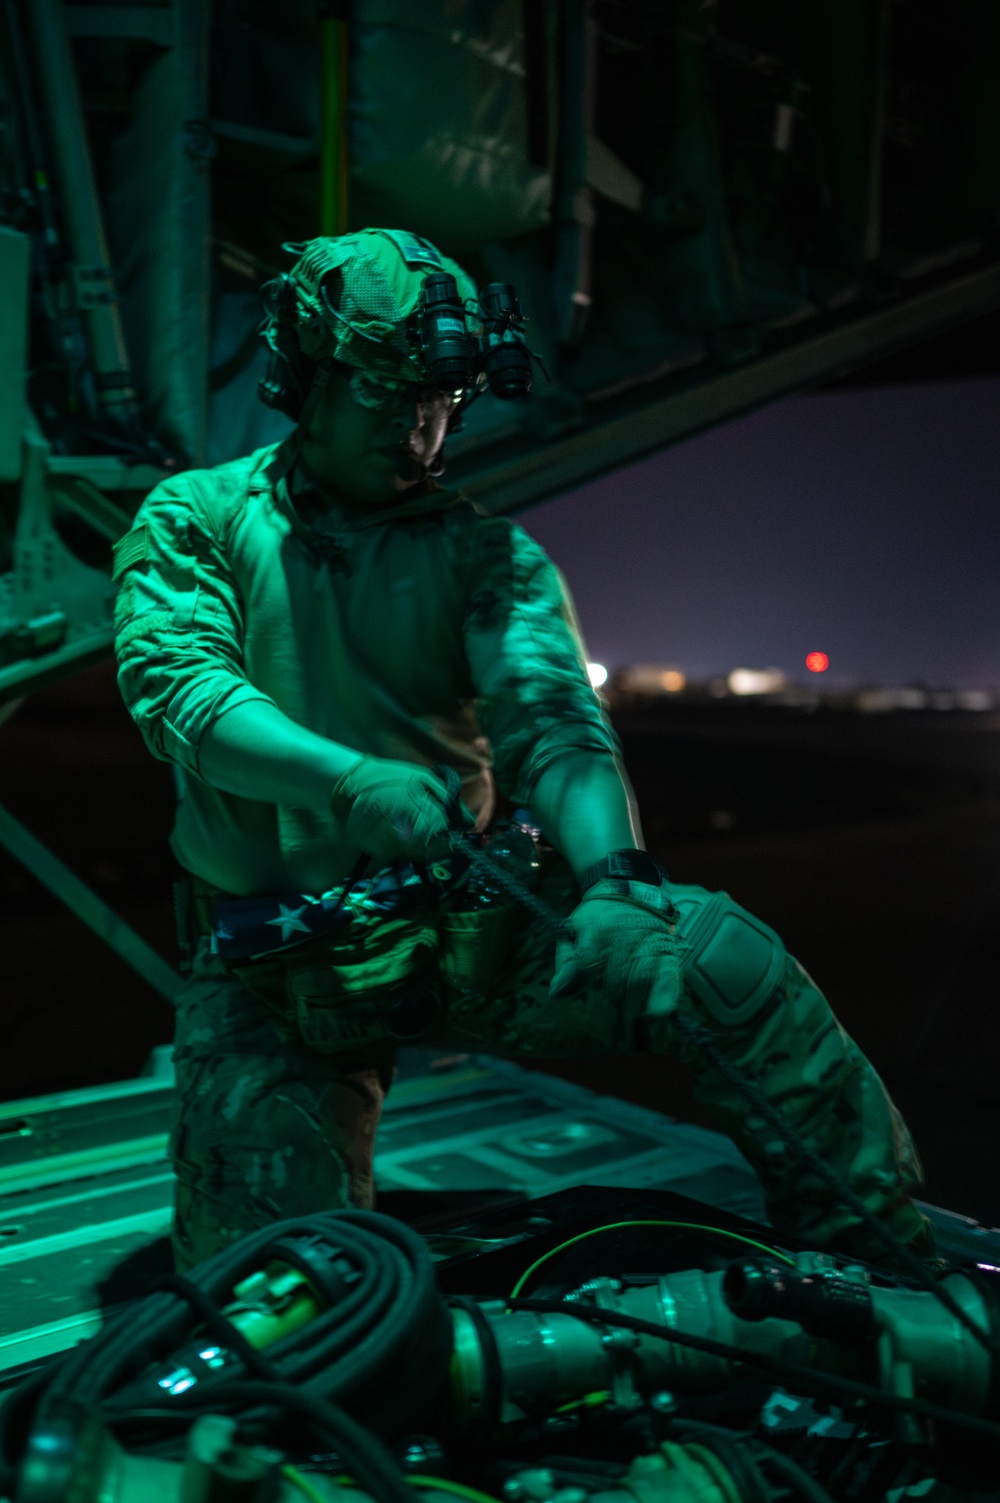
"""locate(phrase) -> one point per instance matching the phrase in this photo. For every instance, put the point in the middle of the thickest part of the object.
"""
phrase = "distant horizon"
(823, 682)
(862, 522)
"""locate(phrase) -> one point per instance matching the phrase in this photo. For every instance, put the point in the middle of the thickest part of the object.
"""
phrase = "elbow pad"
(731, 961)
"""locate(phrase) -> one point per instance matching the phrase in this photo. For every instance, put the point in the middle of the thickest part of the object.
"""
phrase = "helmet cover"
(356, 297)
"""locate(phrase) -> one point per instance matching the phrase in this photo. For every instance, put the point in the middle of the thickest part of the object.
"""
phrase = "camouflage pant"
(265, 1128)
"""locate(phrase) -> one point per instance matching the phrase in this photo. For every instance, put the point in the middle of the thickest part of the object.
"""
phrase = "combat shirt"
(427, 633)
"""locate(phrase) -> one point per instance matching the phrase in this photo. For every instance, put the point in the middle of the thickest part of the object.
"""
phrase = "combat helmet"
(389, 308)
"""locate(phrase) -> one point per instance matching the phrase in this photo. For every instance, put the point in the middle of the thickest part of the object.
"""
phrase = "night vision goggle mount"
(460, 346)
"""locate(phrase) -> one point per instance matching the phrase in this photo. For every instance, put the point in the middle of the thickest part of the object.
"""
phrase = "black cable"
(89, 1368)
(700, 1038)
(796, 1476)
(343, 1350)
(363, 1456)
(734, 1449)
(462, 842)
(823, 1385)
(217, 1325)
(846, 1464)
(15, 1412)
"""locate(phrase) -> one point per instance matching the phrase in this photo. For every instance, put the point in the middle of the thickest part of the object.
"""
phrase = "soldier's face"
(375, 453)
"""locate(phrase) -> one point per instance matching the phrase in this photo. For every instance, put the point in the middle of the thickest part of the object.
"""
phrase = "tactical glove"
(621, 941)
(395, 810)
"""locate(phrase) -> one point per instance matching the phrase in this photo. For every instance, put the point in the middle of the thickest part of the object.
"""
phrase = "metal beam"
(32, 673)
(111, 521)
(81, 207)
(518, 474)
(92, 910)
(107, 472)
(15, 278)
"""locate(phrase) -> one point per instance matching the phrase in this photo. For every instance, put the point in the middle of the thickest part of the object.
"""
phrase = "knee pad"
(731, 961)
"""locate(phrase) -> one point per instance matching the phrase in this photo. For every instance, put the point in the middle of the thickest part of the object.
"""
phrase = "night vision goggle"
(454, 357)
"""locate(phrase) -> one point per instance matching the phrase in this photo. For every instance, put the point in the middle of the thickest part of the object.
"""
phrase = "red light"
(817, 662)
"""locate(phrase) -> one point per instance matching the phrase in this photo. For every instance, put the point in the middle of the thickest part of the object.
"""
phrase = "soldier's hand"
(621, 942)
(394, 810)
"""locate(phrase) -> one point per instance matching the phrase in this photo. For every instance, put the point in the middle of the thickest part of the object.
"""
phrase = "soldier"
(306, 633)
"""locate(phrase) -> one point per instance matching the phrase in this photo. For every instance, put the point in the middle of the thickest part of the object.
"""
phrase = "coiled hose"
(359, 1373)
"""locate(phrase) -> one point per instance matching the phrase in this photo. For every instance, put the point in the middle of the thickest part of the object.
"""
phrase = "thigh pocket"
(260, 1148)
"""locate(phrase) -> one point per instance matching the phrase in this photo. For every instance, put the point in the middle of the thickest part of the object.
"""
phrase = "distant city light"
(652, 678)
(881, 701)
(817, 662)
(756, 681)
(598, 674)
(878, 701)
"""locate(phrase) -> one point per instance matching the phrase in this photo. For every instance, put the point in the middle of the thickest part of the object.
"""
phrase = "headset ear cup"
(290, 373)
(286, 383)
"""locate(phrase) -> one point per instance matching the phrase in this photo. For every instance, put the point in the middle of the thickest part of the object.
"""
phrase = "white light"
(598, 674)
(756, 681)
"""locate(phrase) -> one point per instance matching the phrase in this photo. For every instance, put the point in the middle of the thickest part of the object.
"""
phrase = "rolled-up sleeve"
(535, 702)
(178, 624)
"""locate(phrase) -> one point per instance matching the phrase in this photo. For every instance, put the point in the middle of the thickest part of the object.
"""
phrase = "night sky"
(862, 522)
